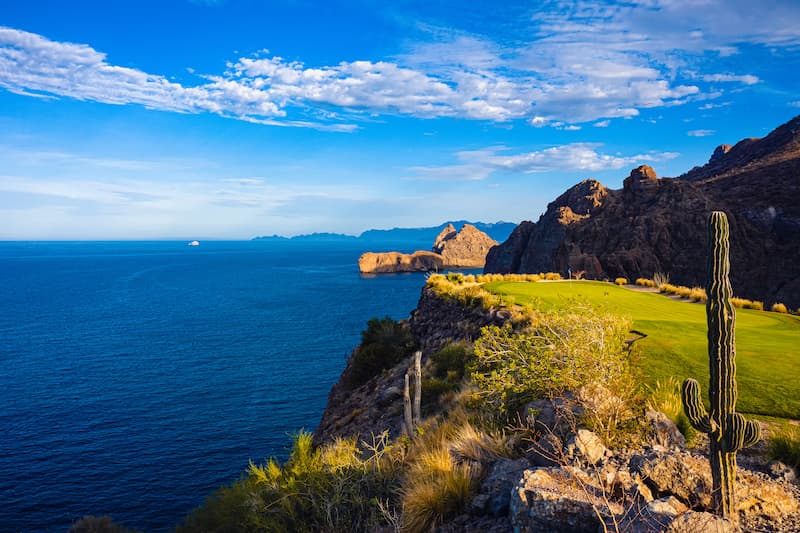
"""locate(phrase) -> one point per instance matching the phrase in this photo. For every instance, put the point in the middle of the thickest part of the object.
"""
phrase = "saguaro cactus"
(728, 431)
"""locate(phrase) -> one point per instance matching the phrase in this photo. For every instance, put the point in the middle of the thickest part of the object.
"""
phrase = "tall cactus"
(728, 431)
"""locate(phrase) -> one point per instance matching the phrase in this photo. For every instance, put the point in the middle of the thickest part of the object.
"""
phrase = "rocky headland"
(656, 224)
(568, 480)
(466, 248)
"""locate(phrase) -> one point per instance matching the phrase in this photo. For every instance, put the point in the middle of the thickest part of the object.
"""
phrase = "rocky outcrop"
(378, 263)
(658, 224)
(568, 480)
(451, 249)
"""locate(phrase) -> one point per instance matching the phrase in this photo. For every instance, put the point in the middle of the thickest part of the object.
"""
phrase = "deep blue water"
(137, 377)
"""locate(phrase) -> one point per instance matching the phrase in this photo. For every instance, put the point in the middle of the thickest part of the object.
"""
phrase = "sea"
(138, 377)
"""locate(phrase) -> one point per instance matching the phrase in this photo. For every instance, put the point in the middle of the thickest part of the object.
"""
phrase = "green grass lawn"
(767, 344)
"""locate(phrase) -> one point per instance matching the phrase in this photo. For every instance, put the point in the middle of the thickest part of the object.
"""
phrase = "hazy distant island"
(401, 237)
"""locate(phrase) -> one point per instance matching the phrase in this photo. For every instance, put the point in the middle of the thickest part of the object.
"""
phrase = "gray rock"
(780, 470)
(547, 451)
(662, 432)
(698, 522)
(649, 517)
(495, 491)
(557, 500)
(680, 474)
(587, 446)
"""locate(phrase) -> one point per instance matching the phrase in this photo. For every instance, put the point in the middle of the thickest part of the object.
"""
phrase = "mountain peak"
(782, 144)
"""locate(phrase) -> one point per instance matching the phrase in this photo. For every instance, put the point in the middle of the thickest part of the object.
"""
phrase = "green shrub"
(561, 350)
(433, 389)
(383, 344)
(784, 446)
(455, 277)
(453, 358)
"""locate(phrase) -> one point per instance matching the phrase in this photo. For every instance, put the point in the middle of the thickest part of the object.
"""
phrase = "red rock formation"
(451, 249)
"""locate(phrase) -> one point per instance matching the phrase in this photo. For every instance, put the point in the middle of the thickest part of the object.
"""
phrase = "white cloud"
(480, 164)
(747, 79)
(709, 105)
(700, 133)
(796, 103)
(602, 124)
(571, 62)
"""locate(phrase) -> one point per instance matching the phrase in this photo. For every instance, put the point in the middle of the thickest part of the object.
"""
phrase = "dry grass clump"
(683, 292)
(698, 294)
(778, 307)
(784, 446)
(667, 288)
(644, 282)
(659, 278)
(445, 463)
(743, 303)
(552, 276)
(621, 281)
(665, 396)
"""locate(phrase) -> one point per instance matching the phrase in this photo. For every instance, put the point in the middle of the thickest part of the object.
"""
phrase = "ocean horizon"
(139, 376)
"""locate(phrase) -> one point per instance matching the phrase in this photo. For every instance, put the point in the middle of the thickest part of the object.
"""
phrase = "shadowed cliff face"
(658, 225)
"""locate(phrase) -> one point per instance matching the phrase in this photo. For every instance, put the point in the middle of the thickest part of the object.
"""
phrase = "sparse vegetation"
(784, 446)
(331, 489)
(665, 396)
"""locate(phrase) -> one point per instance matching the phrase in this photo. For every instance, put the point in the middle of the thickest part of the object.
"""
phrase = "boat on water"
(194, 243)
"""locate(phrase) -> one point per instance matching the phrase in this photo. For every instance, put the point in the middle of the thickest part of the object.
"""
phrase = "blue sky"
(234, 118)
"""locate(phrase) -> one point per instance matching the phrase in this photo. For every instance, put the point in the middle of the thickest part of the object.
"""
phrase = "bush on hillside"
(560, 351)
(778, 307)
(451, 360)
(621, 281)
(383, 344)
(644, 282)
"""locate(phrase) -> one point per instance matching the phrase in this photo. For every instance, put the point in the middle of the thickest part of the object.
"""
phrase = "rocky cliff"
(657, 225)
(377, 405)
(451, 249)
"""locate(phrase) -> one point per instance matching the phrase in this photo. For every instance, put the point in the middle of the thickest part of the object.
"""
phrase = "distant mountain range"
(387, 239)
(659, 224)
